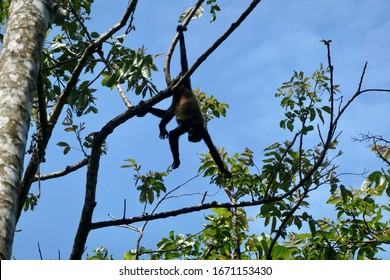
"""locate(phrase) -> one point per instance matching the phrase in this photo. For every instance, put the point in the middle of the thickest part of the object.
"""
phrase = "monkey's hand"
(176, 163)
(181, 28)
(142, 112)
(163, 133)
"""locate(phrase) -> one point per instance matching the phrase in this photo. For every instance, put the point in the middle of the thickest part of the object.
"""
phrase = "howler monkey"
(189, 117)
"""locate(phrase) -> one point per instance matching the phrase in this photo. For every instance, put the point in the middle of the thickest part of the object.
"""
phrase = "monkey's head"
(195, 132)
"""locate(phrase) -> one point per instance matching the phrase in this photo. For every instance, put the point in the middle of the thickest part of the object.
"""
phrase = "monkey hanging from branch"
(189, 117)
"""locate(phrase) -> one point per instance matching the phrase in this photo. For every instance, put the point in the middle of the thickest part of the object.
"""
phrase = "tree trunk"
(28, 21)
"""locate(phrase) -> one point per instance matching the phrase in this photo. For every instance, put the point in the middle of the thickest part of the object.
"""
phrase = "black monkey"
(189, 117)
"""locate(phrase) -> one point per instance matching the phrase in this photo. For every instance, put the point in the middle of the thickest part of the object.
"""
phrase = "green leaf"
(290, 125)
(312, 114)
(312, 225)
(345, 193)
(113, 80)
(62, 144)
(128, 256)
(197, 14)
(95, 35)
(306, 129)
(319, 112)
(327, 109)
(282, 124)
(71, 128)
(66, 150)
(333, 200)
(298, 222)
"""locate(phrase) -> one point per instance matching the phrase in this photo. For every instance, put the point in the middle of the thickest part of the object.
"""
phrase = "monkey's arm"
(215, 155)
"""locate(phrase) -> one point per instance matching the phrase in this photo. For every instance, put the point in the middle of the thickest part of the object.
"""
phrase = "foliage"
(4, 5)
(301, 100)
(100, 254)
(31, 202)
(214, 8)
(211, 107)
(150, 185)
(362, 226)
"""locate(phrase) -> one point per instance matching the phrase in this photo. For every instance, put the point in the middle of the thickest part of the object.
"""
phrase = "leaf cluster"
(302, 99)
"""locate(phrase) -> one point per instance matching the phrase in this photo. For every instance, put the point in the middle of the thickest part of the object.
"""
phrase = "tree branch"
(66, 171)
(182, 211)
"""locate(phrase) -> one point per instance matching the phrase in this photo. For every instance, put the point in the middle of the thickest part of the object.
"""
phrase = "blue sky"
(277, 38)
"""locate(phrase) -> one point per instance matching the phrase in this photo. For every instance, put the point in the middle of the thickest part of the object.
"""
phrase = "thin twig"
(40, 252)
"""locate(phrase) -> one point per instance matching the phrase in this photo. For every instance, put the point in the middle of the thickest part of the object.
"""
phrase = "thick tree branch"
(92, 175)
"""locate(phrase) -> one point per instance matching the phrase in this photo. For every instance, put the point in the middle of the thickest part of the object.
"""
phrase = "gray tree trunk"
(28, 21)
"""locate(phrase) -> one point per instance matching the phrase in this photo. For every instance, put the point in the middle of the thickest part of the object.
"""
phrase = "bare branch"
(64, 172)
(123, 96)
(375, 89)
(182, 211)
(358, 92)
